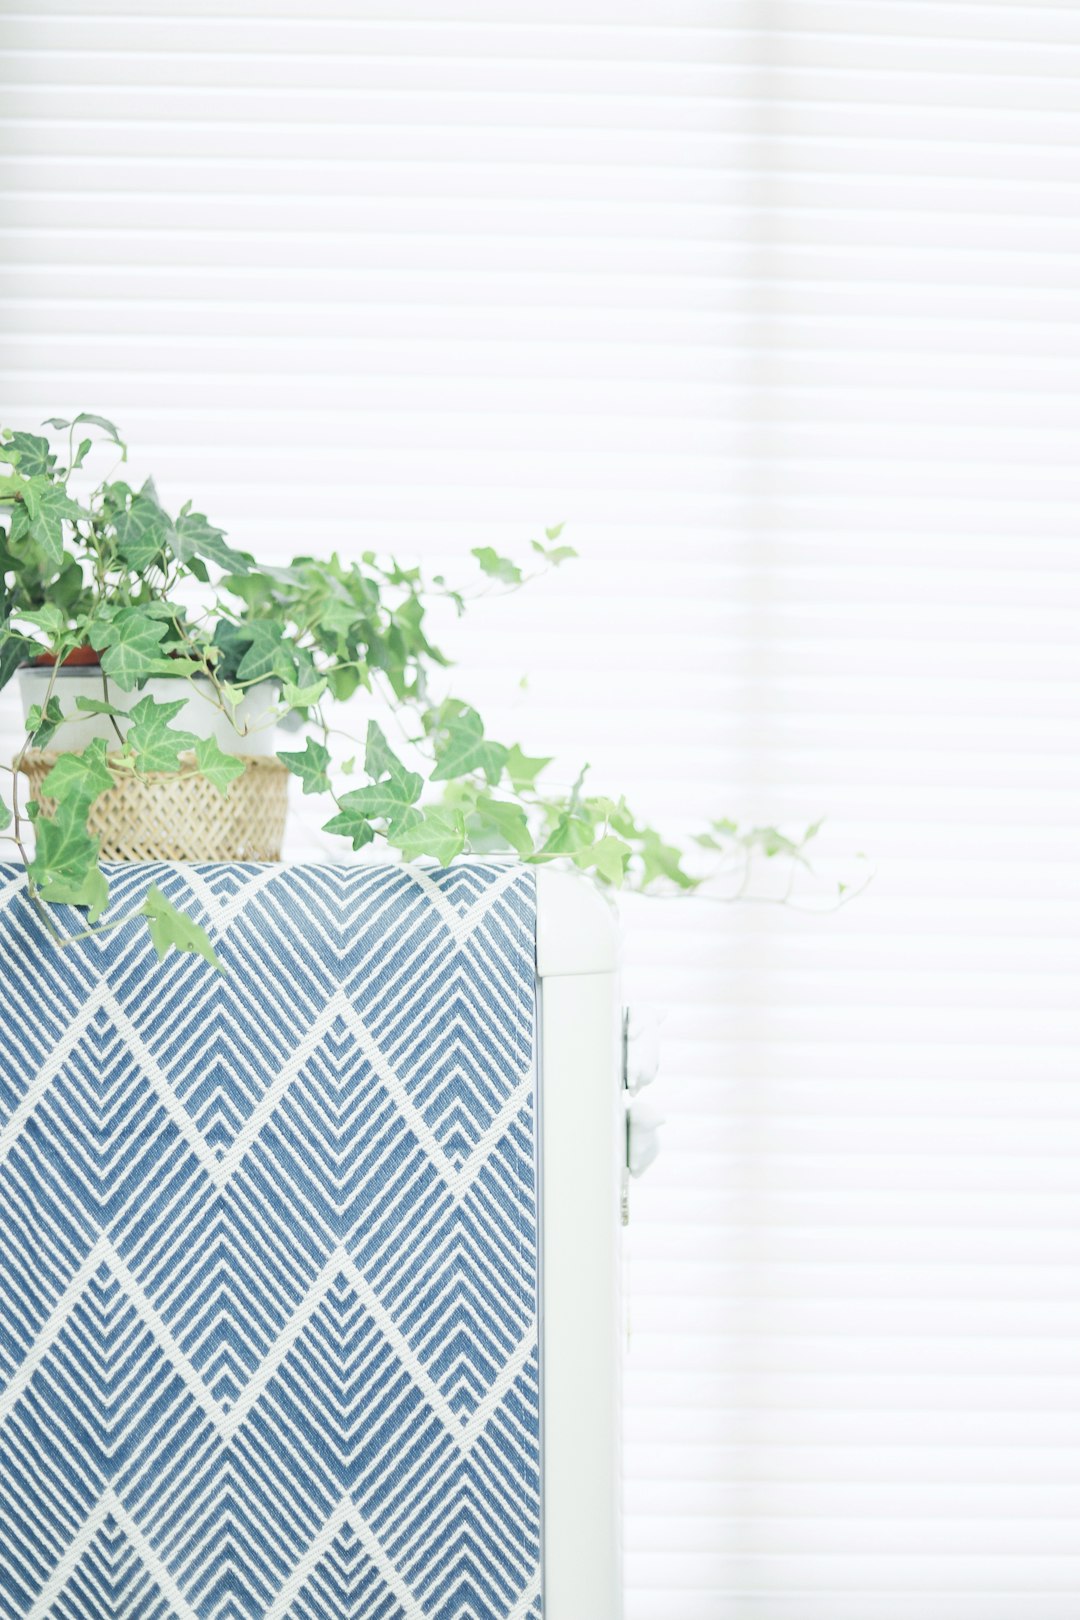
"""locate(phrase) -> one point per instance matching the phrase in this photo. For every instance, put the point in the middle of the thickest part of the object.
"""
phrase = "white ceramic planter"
(252, 735)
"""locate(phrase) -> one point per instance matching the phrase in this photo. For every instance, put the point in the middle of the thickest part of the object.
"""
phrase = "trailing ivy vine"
(152, 595)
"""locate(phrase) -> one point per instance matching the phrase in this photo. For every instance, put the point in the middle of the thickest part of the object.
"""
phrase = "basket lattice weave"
(180, 816)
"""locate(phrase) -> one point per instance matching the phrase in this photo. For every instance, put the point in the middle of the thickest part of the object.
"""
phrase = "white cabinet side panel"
(583, 1144)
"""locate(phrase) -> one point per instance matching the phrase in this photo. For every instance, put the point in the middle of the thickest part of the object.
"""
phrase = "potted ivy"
(160, 667)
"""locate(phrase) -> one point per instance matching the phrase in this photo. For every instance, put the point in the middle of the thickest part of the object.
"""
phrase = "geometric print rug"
(268, 1251)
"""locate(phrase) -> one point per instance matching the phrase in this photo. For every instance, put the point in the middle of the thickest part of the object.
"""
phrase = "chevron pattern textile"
(268, 1252)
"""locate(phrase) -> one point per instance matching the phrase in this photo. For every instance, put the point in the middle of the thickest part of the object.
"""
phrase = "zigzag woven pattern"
(268, 1267)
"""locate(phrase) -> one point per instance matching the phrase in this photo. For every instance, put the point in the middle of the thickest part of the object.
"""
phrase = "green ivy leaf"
(65, 854)
(302, 697)
(180, 668)
(219, 768)
(66, 589)
(466, 749)
(168, 611)
(5, 815)
(379, 758)
(523, 769)
(48, 619)
(608, 857)
(337, 618)
(771, 842)
(92, 891)
(142, 531)
(228, 646)
(29, 452)
(42, 724)
(256, 590)
(391, 801)
(344, 681)
(438, 833)
(508, 821)
(660, 860)
(570, 834)
(96, 706)
(132, 642)
(269, 652)
(311, 766)
(79, 778)
(497, 567)
(47, 505)
(157, 747)
(107, 427)
(169, 927)
(193, 537)
(554, 554)
(352, 825)
(14, 649)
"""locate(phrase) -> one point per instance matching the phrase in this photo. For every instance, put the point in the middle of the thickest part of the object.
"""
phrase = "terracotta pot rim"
(78, 658)
(85, 657)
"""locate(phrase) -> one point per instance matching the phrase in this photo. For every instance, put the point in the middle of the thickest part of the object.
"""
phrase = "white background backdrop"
(779, 306)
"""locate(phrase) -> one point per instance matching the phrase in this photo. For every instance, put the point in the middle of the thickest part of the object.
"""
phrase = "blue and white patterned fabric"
(268, 1260)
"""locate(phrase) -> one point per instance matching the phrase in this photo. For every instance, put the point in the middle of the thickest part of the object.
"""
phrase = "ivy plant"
(103, 570)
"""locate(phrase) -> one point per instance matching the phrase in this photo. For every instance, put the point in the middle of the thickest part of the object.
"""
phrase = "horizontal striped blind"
(778, 305)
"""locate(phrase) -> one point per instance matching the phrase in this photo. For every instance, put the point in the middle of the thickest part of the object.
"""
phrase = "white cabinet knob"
(642, 1138)
(641, 1047)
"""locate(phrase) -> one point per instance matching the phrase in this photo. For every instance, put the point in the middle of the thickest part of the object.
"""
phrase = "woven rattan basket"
(180, 816)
